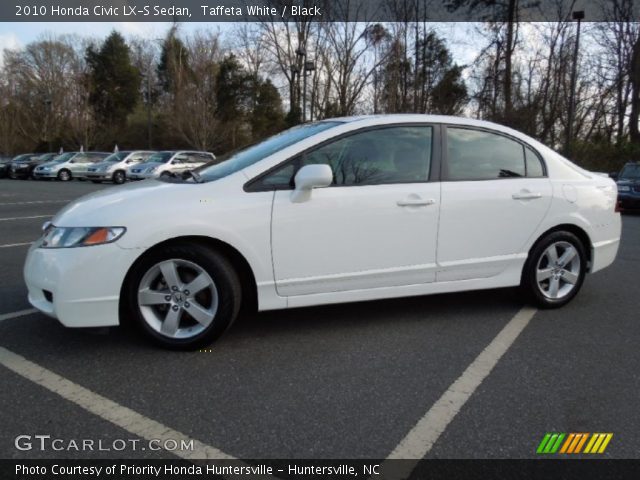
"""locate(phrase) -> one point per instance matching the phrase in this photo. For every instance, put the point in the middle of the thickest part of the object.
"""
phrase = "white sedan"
(340, 210)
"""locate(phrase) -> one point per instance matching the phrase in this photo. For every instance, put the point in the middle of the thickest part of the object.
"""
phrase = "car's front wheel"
(555, 270)
(119, 177)
(64, 175)
(183, 296)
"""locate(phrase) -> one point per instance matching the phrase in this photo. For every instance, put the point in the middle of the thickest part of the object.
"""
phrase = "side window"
(480, 155)
(373, 157)
(534, 165)
(82, 158)
(180, 159)
(199, 158)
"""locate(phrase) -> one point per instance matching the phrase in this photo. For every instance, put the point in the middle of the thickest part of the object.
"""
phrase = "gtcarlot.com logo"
(573, 443)
(48, 443)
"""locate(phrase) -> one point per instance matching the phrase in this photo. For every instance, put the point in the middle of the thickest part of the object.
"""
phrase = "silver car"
(169, 163)
(114, 167)
(69, 165)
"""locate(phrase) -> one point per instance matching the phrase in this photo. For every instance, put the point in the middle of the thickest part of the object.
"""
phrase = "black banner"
(301, 10)
(547, 469)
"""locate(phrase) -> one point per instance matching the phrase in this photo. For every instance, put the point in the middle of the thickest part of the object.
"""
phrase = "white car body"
(177, 162)
(104, 171)
(342, 244)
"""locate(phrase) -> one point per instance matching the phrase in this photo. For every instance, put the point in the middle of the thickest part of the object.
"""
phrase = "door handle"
(415, 202)
(526, 195)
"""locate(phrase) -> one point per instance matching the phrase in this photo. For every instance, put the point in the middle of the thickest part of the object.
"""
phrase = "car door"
(179, 163)
(495, 193)
(79, 163)
(375, 226)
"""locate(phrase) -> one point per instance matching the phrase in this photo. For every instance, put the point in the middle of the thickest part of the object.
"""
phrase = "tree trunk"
(634, 133)
(507, 59)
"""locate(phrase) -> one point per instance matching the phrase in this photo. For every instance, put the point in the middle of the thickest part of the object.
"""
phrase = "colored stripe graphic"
(573, 443)
(598, 443)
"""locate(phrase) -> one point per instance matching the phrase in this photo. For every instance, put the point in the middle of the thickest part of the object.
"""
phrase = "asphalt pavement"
(341, 381)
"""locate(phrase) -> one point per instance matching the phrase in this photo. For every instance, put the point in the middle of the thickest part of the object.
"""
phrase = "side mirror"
(308, 178)
(72, 161)
(613, 175)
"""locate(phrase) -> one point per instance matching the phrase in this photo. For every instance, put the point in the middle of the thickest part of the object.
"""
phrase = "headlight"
(624, 188)
(66, 237)
(152, 169)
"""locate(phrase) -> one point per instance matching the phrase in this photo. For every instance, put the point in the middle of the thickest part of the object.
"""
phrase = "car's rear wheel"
(64, 175)
(183, 296)
(119, 177)
(555, 270)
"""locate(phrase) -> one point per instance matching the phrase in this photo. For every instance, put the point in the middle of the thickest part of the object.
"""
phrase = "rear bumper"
(603, 254)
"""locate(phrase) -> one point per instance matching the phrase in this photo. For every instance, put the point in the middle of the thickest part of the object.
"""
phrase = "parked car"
(340, 210)
(5, 163)
(23, 168)
(114, 167)
(169, 163)
(628, 181)
(69, 165)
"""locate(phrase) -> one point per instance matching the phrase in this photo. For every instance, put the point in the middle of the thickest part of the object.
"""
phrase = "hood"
(50, 164)
(132, 204)
(103, 164)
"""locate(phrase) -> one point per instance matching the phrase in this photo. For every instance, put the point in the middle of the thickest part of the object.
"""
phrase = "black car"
(22, 166)
(5, 162)
(628, 181)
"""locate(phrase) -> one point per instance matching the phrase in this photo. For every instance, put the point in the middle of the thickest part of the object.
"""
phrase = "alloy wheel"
(178, 299)
(558, 270)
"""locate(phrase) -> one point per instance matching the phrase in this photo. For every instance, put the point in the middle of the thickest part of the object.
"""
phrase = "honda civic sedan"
(340, 210)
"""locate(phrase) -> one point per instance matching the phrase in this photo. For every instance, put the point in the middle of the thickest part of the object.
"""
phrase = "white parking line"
(15, 245)
(25, 218)
(123, 417)
(35, 202)
(417, 443)
(21, 313)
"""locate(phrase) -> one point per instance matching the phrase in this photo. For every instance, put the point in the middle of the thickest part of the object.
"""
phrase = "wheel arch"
(238, 261)
(578, 231)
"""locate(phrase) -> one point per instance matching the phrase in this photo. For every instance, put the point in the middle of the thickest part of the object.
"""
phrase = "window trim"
(523, 144)
(434, 166)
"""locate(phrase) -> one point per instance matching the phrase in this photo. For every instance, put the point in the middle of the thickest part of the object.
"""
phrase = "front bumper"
(19, 172)
(98, 175)
(78, 286)
(43, 174)
(140, 176)
(629, 201)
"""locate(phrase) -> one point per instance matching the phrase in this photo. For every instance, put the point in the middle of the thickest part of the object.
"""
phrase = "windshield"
(160, 157)
(236, 161)
(20, 158)
(117, 157)
(630, 172)
(64, 157)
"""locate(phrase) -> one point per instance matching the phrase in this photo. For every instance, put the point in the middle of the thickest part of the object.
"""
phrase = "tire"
(552, 285)
(64, 175)
(165, 175)
(119, 177)
(163, 312)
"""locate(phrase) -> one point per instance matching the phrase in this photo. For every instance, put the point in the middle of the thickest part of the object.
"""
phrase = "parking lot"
(342, 381)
